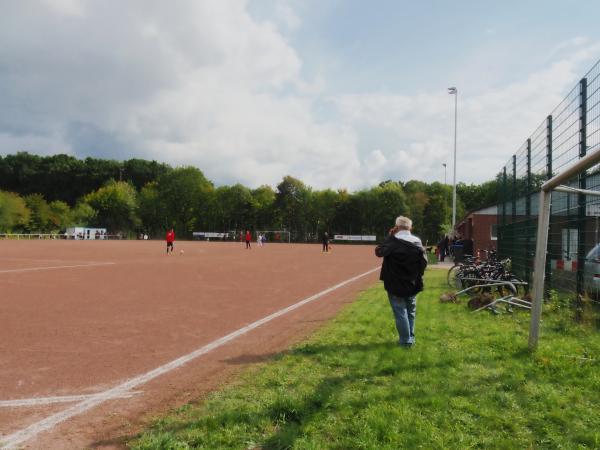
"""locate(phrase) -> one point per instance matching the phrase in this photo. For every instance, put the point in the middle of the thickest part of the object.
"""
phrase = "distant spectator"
(443, 248)
(468, 246)
(325, 240)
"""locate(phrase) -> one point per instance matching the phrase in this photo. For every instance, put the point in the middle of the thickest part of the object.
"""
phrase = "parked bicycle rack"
(508, 299)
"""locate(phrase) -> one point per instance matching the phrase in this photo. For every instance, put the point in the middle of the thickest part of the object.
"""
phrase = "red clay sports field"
(96, 337)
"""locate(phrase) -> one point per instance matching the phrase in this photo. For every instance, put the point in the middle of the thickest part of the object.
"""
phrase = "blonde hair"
(403, 223)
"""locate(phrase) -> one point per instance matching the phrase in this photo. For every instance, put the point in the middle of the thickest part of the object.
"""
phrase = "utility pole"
(454, 91)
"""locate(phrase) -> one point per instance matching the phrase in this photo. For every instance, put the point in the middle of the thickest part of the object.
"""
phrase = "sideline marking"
(36, 401)
(30, 269)
(15, 439)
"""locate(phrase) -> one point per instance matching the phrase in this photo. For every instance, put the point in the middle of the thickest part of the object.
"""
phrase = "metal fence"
(570, 132)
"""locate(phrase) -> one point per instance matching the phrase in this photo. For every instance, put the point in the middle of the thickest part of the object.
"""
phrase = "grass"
(468, 383)
(431, 258)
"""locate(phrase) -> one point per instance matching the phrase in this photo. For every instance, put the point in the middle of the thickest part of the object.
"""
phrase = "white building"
(85, 233)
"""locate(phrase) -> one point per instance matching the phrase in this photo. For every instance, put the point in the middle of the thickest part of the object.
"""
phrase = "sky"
(337, 93)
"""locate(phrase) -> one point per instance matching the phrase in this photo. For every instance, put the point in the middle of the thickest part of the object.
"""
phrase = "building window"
(494, 232)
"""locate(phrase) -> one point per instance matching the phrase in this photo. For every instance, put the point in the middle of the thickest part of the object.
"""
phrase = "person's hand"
(394, 230)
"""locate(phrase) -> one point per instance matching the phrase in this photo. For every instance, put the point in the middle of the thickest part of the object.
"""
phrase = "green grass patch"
(468, 383)
(432, 258)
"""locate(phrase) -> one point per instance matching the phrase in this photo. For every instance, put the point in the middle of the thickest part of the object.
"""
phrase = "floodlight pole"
(454, 91)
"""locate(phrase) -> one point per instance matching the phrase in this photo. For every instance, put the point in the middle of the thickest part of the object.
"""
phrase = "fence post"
(505, 195)
(539, 264)
(528, 221)
(548, 271)
(582, 184)
(549, 147)
(514, 188)
(502, 228)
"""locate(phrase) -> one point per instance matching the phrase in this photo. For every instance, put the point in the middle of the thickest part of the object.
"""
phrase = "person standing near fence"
(404, 263)
(325, 240)
(170, 240)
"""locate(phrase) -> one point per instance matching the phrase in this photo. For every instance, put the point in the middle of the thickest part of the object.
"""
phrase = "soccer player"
(170, 240)
(248, 238)
(325, 241)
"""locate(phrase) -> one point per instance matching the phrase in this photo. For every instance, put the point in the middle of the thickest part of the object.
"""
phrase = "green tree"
(82, 215)
(233, 208)
(39, 220)
(389, 202)
(436, 216)
(151, 210)
(60, 215)
(373, 211)
(14, 214)
(476, 196)
(322, 211)
(416, 200)
(343, 220)
(140, 172)
(291, 202)
(264, 200)
(184, 195)
(116, 206)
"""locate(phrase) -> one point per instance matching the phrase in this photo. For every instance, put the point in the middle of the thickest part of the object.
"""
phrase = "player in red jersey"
(170, 240)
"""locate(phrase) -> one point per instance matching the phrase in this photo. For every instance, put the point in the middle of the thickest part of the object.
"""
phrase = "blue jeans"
(404, 309)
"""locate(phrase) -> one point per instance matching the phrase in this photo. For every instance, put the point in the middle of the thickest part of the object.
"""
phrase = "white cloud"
(206, 84)
(197, 83)
(66, 7)
(492, 125)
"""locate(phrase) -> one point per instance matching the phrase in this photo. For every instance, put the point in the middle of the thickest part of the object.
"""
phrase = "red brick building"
(481, 226)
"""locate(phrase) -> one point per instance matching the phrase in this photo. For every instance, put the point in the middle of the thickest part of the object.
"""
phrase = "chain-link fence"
(571, 131)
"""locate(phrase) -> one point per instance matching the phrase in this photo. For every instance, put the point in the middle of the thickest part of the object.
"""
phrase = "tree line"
(41, 194)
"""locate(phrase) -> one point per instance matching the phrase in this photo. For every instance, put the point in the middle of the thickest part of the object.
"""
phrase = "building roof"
(487, 211)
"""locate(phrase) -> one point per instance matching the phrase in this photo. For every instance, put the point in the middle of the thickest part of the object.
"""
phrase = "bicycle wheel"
(470, 278)
(451, 278)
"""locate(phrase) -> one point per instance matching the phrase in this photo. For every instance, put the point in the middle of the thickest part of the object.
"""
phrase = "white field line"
(31, 269)
(37, 401)
(70, 261)
(15, 439)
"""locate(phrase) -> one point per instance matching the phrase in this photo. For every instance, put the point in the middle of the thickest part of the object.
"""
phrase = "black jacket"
(403, 266)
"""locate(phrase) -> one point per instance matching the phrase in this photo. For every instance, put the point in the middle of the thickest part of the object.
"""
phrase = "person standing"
(443, 248)
(468, 246)
(325, 241)
(170, 240)
(404, 263)
(248, 239)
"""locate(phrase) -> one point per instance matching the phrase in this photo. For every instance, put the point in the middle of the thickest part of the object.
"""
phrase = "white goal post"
(539, 269)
